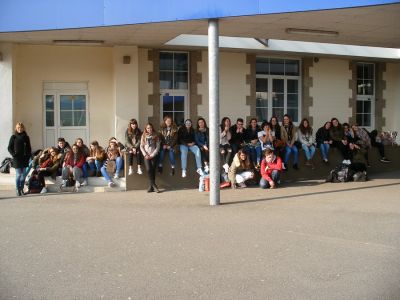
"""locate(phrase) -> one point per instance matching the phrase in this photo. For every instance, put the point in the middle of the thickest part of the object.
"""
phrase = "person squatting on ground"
(132, 146)
(169, 138)
(187, 142)
(114, 156)
(271, 168)
(73, 163)
(150, 146)
(20, 149)
(241, 170)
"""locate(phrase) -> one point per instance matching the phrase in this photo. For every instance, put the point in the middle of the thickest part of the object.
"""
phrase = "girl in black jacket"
(20, 150)
(324, 140)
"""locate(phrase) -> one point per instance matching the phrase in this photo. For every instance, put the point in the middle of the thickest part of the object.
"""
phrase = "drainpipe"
(213, 92)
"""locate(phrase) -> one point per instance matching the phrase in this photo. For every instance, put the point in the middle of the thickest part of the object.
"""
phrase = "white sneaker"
(111, 184)
(139, 171)
(64, 183)
(43, 191)
(130, 171)
(183, 173)
(226, 168)
(84, 183)
(116, 175)
(77, 185)
(200, 172)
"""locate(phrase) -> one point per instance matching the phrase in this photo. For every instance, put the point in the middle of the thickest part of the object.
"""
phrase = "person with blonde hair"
(20, 149)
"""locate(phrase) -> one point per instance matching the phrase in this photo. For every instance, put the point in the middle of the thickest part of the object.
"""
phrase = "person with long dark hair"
(73, 164)
(323, 139)
(288, 134)
(150, 147)
(241, 170)
(132, 144)
(224, 146)
(20, 149)
(201, 137)
(306, 138)
(253, 148)
(169, 138)
(339, 139)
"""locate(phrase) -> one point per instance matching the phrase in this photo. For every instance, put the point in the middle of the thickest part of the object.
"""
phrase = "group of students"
(245, 151)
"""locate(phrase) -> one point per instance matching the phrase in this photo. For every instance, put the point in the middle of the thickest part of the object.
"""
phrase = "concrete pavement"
(306, 240)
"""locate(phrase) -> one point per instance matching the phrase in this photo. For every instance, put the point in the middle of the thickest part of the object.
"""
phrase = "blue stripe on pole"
(26, 15)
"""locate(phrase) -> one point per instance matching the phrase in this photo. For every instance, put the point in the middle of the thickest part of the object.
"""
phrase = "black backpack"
(34, 185)
(341, 173)
(6, 165)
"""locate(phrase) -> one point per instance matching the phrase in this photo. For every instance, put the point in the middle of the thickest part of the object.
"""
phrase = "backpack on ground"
(34, 185)
(6, 165)
(341, 173)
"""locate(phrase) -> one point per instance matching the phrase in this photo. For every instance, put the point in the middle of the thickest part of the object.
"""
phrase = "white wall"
(7, 94)
(392, 95)
(126, 89)
(233, 87)
(330, 91)
(37, 64)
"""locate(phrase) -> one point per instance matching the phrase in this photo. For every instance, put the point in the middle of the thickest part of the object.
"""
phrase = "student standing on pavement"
(150, 147)
(20, 149)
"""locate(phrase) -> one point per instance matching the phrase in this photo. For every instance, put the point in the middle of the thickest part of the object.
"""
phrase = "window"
(277, 88)
(73, 110)
(365, 94)
(174, 84)
(173, 71)
(49, 110)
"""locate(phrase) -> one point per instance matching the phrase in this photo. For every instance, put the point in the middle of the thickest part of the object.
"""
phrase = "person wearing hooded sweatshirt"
(271, 167)
(20, 149)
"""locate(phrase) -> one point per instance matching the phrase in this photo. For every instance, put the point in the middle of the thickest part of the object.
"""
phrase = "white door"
(67, 116)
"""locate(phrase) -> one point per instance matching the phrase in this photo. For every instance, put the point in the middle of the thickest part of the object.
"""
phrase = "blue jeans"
(254, 152)
(95, 165)
(184, 152)
(171, 155)
(85, 170)
(275, 175)
(119, 164)
(309, 151)
(19, 178)
(324, 150)
(295, 152)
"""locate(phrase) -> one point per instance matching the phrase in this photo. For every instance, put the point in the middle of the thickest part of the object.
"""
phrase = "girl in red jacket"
(73, 164)
(271, 167)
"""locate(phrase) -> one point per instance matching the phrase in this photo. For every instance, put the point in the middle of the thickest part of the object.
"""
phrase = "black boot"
(155, 188)
(172, 173)
(150, 189)
(160, 169)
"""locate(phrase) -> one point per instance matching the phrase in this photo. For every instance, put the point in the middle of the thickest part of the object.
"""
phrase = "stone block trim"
(195, 78)
(307, 83)
(251, 81)
(154, 77)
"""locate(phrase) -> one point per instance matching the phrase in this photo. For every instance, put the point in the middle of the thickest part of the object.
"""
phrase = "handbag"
(111, 166)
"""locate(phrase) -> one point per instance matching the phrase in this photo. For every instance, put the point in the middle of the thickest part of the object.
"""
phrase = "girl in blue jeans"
(305, 137)
(324, 140)
(288, 135)
(113, 154)
(186, 142)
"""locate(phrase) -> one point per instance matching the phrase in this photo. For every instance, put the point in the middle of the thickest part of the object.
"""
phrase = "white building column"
(213, 86)
(126, 88)
(7, 94)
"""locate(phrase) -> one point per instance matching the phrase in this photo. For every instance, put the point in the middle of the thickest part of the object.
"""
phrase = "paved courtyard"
(307, 240)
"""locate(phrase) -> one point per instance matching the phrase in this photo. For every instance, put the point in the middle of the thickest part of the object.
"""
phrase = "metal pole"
(213, 104)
